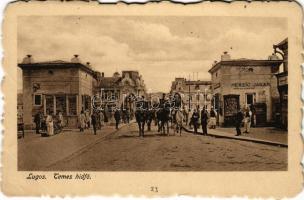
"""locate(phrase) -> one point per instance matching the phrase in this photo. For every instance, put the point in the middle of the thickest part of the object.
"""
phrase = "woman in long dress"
(82, 121)
(50, 124)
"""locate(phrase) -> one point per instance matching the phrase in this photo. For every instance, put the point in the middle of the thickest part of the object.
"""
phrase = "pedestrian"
(50, 124)
(247, 121)
(190, 120)
(82, 121)
(204, 121)
(194, 119)
(94, 121)
(37, 120)
(127, 115)
(213, 118)
(117, 117)
(87, 118)
(60, 119)
(238, 122)
(101, 118)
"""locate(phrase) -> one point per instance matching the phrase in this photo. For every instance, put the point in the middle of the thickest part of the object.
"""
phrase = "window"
(37, 100)
(49, 104)
(60, 105)
(72, 105)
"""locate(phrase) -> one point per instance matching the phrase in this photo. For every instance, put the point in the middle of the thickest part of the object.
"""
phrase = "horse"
(163, 120)
(179, 119)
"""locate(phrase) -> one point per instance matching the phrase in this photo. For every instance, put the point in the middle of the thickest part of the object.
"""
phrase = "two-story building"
(193, 93)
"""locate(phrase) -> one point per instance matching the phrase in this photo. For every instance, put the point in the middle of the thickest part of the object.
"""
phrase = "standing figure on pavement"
(238, 122)
(247, 121)
(204, 121)
(50, 124)
(127, 115)
(140, 116)
(190, 120)
(87, 118)
(94, 121)
(117, 117)
(37, 120)
(82, 121)
(213, 118)
(194, 119)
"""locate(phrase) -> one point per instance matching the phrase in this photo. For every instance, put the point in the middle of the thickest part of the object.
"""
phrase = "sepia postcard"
(156, 99)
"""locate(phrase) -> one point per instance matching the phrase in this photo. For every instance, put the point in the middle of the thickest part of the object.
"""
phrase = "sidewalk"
(263, 135)
(36, 152)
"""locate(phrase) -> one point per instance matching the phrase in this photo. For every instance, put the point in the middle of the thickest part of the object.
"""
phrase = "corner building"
(50, 87)
(241, 83)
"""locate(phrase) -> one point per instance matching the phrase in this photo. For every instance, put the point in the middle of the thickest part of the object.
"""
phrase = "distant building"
(240, 83)
(282, 77)
(193, 93)
(121, 90)
(56, 86)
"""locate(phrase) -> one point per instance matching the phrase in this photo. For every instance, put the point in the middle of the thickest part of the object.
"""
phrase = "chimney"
(225, 56)
(75, 59)
(102, 74)
(88, 65)
(27, 59)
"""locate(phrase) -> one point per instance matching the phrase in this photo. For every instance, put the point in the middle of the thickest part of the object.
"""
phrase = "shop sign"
(247, 85)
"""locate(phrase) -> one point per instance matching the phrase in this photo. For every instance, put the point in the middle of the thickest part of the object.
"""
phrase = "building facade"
(241, 83)
(121, 90)
(282, 77)
(56, 86)
(193, 93)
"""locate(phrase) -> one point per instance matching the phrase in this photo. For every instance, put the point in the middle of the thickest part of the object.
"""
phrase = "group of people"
(50, 124)
(95, 120)
(203, 118)
(98, 118)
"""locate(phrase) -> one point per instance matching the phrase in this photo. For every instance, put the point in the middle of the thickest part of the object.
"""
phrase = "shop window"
(49, 104)
(37, 100)
(72, 105)
(60, 104)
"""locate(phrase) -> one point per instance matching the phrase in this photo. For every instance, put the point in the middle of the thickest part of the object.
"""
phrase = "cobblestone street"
(123, 150)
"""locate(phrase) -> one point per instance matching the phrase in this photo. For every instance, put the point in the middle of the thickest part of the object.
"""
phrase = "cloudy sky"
(161, 48)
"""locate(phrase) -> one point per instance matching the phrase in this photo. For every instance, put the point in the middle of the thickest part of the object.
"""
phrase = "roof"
(56, 64)
(109, 82)
(245, 62)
